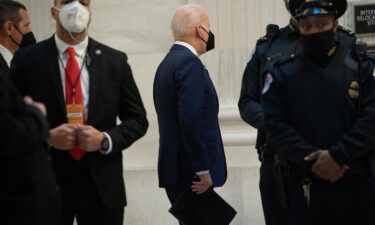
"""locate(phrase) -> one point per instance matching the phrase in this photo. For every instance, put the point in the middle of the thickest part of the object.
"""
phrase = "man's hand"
(338, 174)
(89, 138)
(42, 108)
(326, 167)
(63, 137)
(199, 187)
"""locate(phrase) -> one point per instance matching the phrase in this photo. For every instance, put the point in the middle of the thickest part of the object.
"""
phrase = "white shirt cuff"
(109, 150)
(200, 173)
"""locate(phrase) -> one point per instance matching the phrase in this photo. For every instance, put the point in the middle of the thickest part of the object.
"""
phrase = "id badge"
(75, 113)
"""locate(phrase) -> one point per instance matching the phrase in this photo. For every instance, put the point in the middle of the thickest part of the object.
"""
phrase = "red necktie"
(73, 90)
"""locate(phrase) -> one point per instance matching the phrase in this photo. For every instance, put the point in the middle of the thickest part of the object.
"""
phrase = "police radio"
(271, 32)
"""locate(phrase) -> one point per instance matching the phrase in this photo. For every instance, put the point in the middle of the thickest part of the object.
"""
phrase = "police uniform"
(252, 113)
(269, 49)
(307, 108)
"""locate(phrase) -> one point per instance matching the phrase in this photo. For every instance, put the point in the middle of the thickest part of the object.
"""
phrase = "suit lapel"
(54, 72)
(93, 57)
(3, 65)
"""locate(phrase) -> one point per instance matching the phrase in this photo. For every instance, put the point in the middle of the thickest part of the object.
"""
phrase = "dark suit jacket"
(113, 93)
(187, 107)
(28, 192)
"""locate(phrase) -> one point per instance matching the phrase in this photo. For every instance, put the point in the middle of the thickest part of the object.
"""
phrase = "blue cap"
(321, 7)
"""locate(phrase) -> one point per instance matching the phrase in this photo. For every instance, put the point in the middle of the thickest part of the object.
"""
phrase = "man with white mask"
(85, 86)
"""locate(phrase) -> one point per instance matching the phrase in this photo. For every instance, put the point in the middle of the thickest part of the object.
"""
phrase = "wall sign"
(364, 19)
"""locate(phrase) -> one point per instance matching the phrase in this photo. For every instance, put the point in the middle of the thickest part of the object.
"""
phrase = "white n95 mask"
(74, 17)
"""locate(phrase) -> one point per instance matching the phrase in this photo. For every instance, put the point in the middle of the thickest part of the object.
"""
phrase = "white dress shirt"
(80, 54)
(187, 45)
(7, 55)
(192, 49)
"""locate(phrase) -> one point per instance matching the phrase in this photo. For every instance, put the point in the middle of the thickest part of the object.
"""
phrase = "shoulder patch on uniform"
(267, 83)
(345, 30)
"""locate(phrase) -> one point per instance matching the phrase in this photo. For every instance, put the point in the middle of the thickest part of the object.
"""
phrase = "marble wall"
(141, 29)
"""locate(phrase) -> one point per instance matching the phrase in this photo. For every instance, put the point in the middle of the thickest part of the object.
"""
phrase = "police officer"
(276, 44)
(319, 111)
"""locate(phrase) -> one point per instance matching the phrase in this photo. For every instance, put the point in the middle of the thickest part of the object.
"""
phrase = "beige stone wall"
(141, 29)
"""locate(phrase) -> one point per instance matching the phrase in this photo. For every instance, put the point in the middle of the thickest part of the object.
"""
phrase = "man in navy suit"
(187, 107)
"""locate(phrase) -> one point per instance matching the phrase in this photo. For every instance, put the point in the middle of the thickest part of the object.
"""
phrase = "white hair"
(185, 19)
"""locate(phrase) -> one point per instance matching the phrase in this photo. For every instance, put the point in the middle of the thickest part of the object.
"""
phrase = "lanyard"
(73, 85)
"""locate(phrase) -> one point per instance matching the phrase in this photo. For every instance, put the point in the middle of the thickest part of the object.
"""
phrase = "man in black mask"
(187, 108)
(275, 45)
(318, 32)
(15, 30)
(319, 115)
(29, 194)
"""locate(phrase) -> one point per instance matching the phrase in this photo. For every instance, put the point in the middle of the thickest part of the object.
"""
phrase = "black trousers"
(174, 192)
(81, 199)
(350, 201)
(274, 213)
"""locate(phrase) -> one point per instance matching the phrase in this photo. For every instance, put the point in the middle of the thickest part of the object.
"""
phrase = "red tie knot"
(71, 52)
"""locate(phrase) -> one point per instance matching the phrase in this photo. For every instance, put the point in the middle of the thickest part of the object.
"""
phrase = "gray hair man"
(191, 153)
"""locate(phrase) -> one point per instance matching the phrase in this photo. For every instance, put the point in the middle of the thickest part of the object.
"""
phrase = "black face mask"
(28, 39)
(210, 44)
(318, 46)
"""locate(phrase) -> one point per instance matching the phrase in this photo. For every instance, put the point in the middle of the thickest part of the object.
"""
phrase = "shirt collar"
(80, 49)
(8, 55)
(187, 45)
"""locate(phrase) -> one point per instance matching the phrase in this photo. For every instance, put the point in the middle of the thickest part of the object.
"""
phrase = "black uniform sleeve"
(132, 113)
(281, 136)
(249, 104)
(361, 138)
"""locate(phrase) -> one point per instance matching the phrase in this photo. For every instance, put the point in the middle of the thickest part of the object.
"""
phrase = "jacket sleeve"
(249, 103)
(23, 127)
(132, 113)
(359, 141)
(191, 84)
(281, 136)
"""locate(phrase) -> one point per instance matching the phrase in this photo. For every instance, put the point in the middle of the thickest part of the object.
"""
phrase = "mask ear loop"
(204, 31)
(18, 44)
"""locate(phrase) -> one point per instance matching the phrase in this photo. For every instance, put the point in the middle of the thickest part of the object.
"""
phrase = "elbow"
(253, 119)
(144, 124)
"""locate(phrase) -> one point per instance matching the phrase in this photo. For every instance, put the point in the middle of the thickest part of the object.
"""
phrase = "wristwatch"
(105, 143)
